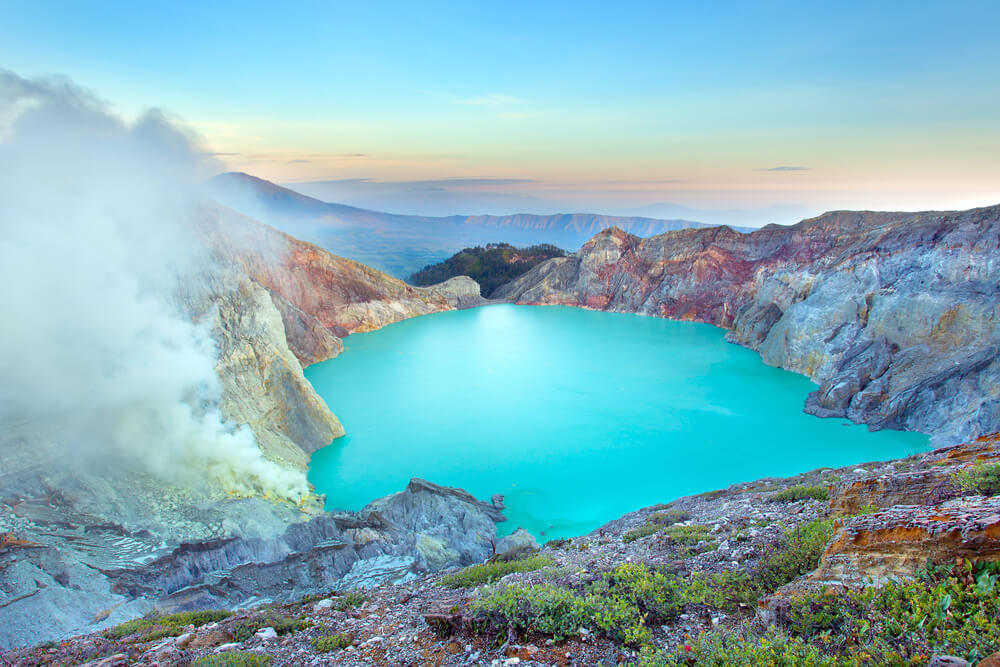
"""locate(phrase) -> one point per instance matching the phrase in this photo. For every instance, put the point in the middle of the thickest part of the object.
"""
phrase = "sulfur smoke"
(101, 366)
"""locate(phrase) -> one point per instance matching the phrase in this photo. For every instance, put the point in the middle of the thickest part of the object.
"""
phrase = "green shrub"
(486, 573)
(668, 517)
(128, 628)
(334, 642)
(981, 479)
(183, 619)
(549, 609)
(233, 659)
(638, 533)
(157, 627)
(774, 649)
(620, 605)
(798, 553)
(904, 621)
(559, 544)
(722, 590)
(800, 492)
(690, 540)
(350, 600)
(283, 624)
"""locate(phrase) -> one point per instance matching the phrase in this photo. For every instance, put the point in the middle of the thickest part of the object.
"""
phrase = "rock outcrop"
(893, 314)
(81, 538)
(110, 574)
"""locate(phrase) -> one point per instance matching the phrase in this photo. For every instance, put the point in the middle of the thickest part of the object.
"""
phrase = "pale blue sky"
(603, 106)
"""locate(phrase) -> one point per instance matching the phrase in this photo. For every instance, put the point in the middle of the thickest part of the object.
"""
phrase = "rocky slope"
(273, 304)
(893, 314)
(884, 518)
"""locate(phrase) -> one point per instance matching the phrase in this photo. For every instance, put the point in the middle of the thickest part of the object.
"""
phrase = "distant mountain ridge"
(403, 244)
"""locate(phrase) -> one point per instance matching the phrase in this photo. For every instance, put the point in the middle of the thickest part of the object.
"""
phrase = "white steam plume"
(98, 357)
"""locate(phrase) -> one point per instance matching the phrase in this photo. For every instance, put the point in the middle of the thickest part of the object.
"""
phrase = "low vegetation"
(801, 492)
(644, 530)
(171, 625)
(490, 266)
(283, 624)
(476, 575)
(943, 612)
(233, 659)
(981, 479)
(625, 602)
(690, 540)
(334, 642)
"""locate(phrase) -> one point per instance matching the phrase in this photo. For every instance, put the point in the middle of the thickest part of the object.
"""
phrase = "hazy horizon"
(767, 113)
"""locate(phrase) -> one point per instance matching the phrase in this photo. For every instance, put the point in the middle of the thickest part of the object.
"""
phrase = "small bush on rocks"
(334, 642)
(737, 650)
(128, 628)
(486, 573)
(350, 600)
(283, 624)
(233, 659)
(642, 531)
(690, 540)
(981, 479)
(669, 517)
(620, 605)
(800, 492)
(798, 553)
(171, 625)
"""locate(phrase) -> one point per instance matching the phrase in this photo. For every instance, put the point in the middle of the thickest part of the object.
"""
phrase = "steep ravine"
(894, 315)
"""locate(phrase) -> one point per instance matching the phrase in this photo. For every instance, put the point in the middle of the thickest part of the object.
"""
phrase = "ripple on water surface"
(575, 416)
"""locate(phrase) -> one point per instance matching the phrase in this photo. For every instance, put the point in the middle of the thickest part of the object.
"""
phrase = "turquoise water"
(575, 416)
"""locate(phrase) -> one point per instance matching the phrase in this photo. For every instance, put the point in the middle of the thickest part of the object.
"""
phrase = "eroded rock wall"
(893, 314)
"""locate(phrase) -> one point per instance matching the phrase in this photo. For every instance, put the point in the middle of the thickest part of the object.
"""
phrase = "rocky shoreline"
(894, 315)
(888, 518)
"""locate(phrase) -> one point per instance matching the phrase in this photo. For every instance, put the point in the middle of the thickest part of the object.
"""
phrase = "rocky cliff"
(278, 304)
(86, 543)
(894, 315)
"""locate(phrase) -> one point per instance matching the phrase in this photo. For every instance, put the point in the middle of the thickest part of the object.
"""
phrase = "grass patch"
(233, 659)
(642, 531)
(334, 642)
(171, 625)
(349, 600)
(559, 544)
(800, 492)
(668, 517)
(486, 573)
(128, 628)
(981, 479)
(283, 624)
(690, 540)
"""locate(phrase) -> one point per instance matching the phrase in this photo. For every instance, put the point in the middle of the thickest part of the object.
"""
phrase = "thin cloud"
(783, 169)
(490, 99)
(299, 161)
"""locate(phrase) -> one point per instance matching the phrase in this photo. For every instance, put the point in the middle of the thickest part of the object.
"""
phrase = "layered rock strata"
(893, 314)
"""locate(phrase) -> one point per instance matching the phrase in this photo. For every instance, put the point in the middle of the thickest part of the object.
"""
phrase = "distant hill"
(490, 266)
(403, 244)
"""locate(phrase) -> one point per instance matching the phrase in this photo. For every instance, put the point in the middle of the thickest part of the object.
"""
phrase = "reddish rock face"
(897, 541)
(894, 314)
(321, 297)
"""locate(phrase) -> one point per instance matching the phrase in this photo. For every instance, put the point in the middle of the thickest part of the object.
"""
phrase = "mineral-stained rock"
(893, 314)
(895, 542)
(929, 484)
